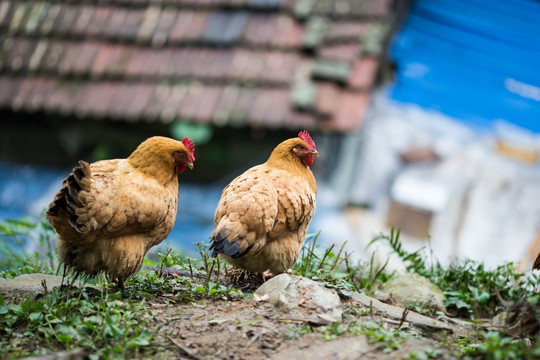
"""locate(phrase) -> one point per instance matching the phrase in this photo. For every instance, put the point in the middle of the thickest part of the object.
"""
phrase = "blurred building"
(90, 79)
(452, 148)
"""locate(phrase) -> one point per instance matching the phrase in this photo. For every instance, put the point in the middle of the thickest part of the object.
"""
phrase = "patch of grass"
(314, 263)
(365, 277)
(15, 259)
(471, 290)
(385, 339)
(493, 345)
(298, 331)
(414, 261)
(425, 355)
(475, 292)
(204, 279)
(104, 324)
(334, 269)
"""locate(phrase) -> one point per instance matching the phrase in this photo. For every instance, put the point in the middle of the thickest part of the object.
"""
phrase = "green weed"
(471, 290)
(493, 345)
(425, 355)
(196, 278)
(14, 259)
(388, 339)
(334, 269)
(104, 324)
(299, 331)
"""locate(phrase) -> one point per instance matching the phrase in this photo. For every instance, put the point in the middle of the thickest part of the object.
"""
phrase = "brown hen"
(108, 214)
(263, 214)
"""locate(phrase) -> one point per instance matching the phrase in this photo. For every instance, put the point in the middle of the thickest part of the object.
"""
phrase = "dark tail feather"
(220, 245)
(58, 203)
(67, 199)
(217, 243)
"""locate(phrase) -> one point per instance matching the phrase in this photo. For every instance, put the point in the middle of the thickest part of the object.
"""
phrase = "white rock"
(292, 293)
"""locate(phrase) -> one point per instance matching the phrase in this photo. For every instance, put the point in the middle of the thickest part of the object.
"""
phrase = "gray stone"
(457, 326)
(410, 290)
(292, 293)
(397, 312)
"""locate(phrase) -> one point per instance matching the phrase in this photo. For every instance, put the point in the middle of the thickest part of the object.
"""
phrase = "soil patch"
(246, 329)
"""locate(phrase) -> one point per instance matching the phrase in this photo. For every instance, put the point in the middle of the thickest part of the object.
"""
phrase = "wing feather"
(108, 199)
(245, 213)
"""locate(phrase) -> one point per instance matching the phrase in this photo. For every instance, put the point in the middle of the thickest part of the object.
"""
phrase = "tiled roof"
(270, 63)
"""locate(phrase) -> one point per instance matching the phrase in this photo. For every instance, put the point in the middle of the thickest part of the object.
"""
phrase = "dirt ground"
(254, 328)
(248, 330)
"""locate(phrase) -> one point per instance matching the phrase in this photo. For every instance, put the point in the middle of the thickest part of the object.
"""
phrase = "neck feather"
(154, 166)
(283, 158)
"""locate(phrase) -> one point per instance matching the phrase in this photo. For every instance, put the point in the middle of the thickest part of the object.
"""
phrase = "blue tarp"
(477, 60)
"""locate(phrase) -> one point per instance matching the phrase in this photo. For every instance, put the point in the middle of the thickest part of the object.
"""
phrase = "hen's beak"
(315, 153)
(190, 165)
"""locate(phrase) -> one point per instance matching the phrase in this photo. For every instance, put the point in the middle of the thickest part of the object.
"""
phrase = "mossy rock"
(413, 290)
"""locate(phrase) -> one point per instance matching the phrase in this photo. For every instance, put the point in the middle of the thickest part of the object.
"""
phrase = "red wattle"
(180, 168)
(307, 160)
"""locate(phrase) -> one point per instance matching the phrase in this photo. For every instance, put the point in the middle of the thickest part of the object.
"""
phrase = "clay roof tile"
(272, 63)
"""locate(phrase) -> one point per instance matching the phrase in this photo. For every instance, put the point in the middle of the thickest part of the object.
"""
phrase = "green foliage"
(471, 290)
(103, 323)
(365, 277)
(413, 261)
(299, 331)
(203, 281)
(386, 339)
(425, 355)
(477, 292)
(493, 345)
(319, 265)
(14, 260)
(334, 270)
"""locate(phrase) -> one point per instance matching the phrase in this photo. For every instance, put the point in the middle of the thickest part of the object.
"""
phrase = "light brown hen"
(108, 214)
(263, 214)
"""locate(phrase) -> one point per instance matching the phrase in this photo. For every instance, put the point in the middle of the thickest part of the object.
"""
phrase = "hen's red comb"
(304, 135)
(190, 145)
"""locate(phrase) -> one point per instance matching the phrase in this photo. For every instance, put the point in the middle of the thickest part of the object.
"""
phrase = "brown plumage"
(536, 264)
(263, 214)
(108, 214)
